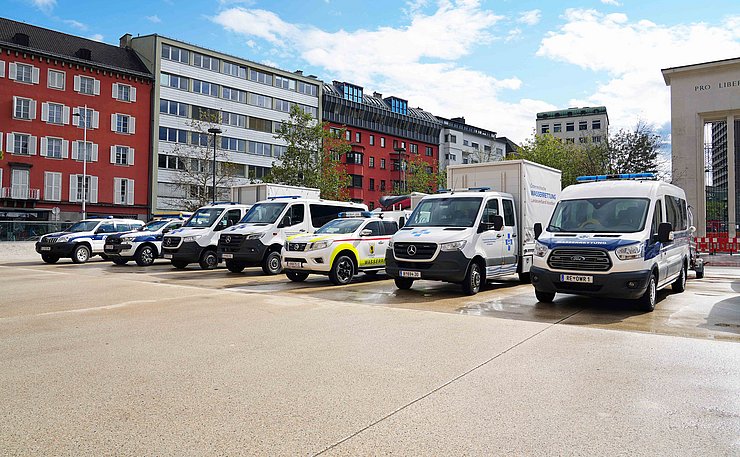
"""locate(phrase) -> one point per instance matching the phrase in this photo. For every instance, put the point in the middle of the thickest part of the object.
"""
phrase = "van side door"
(655, 249)
(294, 221)
(491, 241)
(510, 246)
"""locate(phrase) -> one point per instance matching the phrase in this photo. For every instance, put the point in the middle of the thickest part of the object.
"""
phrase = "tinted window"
(374, 227)
(107, 227)
(204, 217)
(264, 213)
(657, 219)
(489, 211)
(154, 225)
(389, 227)
(508, 213)
(676, 212)
(600, 215)
(445, 212)
(232, 217)
(83, 226)
(321, 214)
(340, 226)
(296, 213)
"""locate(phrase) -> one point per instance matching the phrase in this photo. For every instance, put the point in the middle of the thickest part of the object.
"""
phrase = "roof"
(618, 188)
(572, 112)
(61, 45)
(378, 102)
(668, 72)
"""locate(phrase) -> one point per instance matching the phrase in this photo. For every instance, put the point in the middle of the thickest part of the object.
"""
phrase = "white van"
(618, 236)
(259, 237)
(196, 241)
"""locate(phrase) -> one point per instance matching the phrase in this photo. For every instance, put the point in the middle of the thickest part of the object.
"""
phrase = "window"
(657, 218)
(278, 150)
(508, 213)
(235, 95)
(123, 123)
(296, 213)
(233, 144)
(348, 135)
(122, 155)
(453, 138)
(545, 128)
(285, 83)
(124, 92)
(336, 133)
(382, 142)
(312, 110)
(358, 137)
(171, 162)
(19, 183)
(354, 158)
(355, 181)
(582, 140)
(55, 79)
(570, 140)
(308, 89)
(54, 113)
(382, 185)
(52, 186)
(372, 184)
(321, 214)
(177, 82)
(352, 93)
(260, 149)
(84, 117)
(173, 135)
(237, 120)
(259, 100)
(24, 73)
(86, 85)
(261, 125)
(371, 139)
(199, 139)
(52, 147)
(256, 172)
(676, 213)
(24, 108)
(235, 70)
(87, 189)
(399, 105)
(597, 139)
(413, 148)
(429, 151)
(490, 210)
(176, 54)
(206, 88)
(281, 105)
(260, 77)
(557, 128)
(583, 125)
(371, 162)
(89, 149)
(21, 144)
(570, 127)
(123, 191)
(173, 108)
(205, 114)
(382, 164)
(209, 63)
(596, 124)
(374, 228)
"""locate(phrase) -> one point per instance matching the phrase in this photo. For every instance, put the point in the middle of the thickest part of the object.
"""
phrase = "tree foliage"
(313, 156)
(420, 177)
(634, 151)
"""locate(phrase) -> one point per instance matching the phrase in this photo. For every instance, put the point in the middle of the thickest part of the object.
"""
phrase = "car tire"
(679, 285)
(271, 265)
(404, 283)
(473, 279)
(145, 256)
(648, 299)
(234, 266)
(208, 260)
(119, 261)
(81, 254)
(525, 278)
(296, 276)
(342, 271)
(544, 297)
(179, 264)
(48, 258)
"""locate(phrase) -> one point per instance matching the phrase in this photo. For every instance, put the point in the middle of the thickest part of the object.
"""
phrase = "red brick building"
(46, 80)
(385, 135)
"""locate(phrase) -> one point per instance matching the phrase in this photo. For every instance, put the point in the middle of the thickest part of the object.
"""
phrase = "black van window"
(296, 213)
(508, 213)
(375, 227)
(321, 214)
(676, 212)
(489, 211)
(657, 218)
(389, 227)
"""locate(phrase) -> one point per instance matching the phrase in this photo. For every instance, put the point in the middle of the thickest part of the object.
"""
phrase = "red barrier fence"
(712, 244)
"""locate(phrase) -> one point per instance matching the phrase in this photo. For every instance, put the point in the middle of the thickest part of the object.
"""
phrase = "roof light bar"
(284, 196)
(616, 177)
(346, 214)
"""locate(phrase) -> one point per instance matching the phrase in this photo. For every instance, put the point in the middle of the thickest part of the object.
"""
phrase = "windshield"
(204, 217)
(603, 215)
(263, 213)
(153, 226)
(340, 226)
(445, 212)
(83, 226)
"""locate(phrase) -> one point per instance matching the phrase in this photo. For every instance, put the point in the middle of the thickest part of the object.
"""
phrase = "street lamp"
(84, 159)
(215, 131)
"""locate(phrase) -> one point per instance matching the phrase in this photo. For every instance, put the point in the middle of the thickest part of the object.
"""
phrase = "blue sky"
(495, 62)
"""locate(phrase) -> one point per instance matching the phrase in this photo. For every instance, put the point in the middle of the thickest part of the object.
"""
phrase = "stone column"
(731, 188)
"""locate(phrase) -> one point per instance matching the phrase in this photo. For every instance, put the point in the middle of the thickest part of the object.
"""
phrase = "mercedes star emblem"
(228, 239)
(411, 250)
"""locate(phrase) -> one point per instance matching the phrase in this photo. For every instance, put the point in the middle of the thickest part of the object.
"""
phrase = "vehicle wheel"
(179, 264)
(81, 254)
(404, 283)
(296, 276)
(234, 266)
(647, 301)
(473, 279)
(145, 256)
(208, 260)
(544, 297)
(679, 285)
(119, 261)
(48, 258)
(271, 264)
(342, 271)
(525, 278)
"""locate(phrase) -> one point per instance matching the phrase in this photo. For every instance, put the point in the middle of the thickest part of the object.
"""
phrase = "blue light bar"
(443, 191)
(284, 196)
(479, 189)
(356, 214)
(593, 178)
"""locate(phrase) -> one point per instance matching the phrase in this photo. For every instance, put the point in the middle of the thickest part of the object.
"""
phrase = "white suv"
(82, 240)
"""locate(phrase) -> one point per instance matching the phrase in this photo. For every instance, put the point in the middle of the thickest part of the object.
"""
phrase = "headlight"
(127, 239)
(63, 239)
(633, 251)
(453, 246)
(319, 245)
(540, 250)
(254, 236)
(190, 239)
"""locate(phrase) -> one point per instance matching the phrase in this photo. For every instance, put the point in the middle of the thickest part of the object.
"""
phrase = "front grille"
(232, 241)
(171, 241)
(580, 259)
(50, 240)
(414, 251)
(297, 246)
(113, 240)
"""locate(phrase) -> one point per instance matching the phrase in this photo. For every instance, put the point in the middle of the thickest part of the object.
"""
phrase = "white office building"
(249, 99)
(460, 142)
(575, 125)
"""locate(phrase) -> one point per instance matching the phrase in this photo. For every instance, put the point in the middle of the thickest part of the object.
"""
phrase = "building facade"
(575, 125)
(705, 142)
(47, 79)
(385, 135)
(247, 100)
(460, 142)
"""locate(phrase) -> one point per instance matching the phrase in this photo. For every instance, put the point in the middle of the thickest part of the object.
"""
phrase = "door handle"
(499, 235)
(380, 242)
(513, 236)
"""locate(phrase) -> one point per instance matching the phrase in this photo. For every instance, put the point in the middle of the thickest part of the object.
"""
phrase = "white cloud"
(631, 54)
(44, 5)
(611, 2)
(96, 37)
(155, 19)
(417, 61)
(531, 17)
(513, 34)
(75, 24)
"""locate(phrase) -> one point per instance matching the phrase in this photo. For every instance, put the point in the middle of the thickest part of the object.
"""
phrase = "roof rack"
(283, 196)
(616, 177)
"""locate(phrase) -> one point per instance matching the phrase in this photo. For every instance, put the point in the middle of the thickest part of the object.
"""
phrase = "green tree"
(420, 177)
(634, 151)
(313, 156)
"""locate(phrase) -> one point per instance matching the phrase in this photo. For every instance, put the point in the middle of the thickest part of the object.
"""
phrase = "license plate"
(167, 256)
(294, 264)
(108, 246)
(227, 256)
(410, 274)
(577, 278)
(46, 248)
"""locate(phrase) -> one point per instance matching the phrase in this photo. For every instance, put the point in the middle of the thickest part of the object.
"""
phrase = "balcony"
(19, 193)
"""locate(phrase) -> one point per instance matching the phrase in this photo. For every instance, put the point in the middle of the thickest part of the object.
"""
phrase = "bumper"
(306, 262)
(612, 285)
(249, 252)
(119, 250)
(57, 249)
(187, 252)
(448, 266)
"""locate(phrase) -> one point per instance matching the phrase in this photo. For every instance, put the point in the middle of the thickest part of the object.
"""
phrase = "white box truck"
(481, 229)
(249, 194)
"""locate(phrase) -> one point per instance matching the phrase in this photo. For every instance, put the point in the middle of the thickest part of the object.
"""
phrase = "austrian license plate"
(294, 264)
(46, 248)
(577, 278)
(410, 274)
(227, 256)
(167, 256)
(108, 246)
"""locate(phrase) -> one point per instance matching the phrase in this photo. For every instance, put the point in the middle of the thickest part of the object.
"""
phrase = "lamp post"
(215, 131)
(84, 159)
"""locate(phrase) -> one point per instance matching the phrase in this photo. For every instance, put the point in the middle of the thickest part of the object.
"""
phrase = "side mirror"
(537, 230)
(166, 230)
(664, 232)
(366, 232)
(498, 222)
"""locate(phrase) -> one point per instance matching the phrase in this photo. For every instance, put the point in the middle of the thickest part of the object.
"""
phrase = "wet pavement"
(104, 359)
